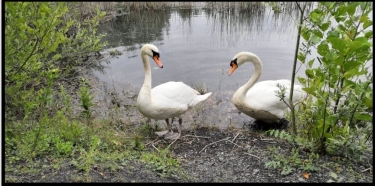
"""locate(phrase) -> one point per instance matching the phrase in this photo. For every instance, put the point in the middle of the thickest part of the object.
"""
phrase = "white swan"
(259, 100)
(168, 100)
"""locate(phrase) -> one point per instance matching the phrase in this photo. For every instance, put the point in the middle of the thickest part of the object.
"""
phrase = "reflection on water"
(196, 47)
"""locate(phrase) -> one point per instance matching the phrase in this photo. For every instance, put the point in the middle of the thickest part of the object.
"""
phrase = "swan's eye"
(155, 53)
(234, 61)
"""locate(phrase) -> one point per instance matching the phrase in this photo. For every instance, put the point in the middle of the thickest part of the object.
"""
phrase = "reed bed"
(82, 10)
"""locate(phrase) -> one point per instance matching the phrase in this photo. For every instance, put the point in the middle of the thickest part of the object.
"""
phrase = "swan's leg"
(149, 125)
(176, 136)
(164, 132)
(170, 132)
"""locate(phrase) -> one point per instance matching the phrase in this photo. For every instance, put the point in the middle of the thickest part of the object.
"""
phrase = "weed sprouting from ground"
(200, 87)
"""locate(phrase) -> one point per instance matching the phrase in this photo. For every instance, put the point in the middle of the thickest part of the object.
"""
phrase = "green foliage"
(38, 46)
(335, 178)
(162, 162)
(44, 42)
(87, 157)
(292, 162)
(281, 135)
(350, 143)
(137, 144)
(86, 101)
(340, 83)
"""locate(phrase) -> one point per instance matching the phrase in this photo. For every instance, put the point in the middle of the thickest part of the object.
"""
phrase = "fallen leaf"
(305, 175)
(333, 175)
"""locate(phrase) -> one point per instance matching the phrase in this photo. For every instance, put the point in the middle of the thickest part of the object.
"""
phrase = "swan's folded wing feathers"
(263, 95)
(173, 94)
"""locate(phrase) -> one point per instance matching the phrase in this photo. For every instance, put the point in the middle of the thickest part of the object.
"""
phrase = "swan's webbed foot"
(167, 132)
(175, 136)
(164, 132)
(172, 136)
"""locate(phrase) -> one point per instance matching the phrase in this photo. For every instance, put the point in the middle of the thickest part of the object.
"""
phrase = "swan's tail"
(200, 98)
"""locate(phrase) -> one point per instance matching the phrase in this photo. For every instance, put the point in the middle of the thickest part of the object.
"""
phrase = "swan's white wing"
(263, 96)
(174, 95)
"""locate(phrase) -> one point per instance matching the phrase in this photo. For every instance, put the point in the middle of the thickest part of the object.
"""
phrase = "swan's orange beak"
(234, 67)
(157, 61)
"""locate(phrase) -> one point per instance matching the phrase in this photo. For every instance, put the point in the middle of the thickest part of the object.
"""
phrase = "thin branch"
(213, 143)
(367, 169)
(188, 135)
(152, 142)
(172, 142)
(235, 137)
(253, 155)
(155, 147)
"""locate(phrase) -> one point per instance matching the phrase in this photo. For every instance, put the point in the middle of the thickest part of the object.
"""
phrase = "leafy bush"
(39, 47)
(340, 84)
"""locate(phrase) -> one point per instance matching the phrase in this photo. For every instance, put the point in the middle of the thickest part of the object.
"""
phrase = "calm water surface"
(197, 46)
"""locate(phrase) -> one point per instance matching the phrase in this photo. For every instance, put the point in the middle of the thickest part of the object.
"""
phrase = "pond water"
(197, 46)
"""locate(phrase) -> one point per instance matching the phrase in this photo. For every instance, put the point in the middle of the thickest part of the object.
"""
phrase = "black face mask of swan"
(167, 100)
(259, 100)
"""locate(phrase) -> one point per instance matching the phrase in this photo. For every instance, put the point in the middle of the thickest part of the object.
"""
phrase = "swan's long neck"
(147, 68)
(144, 100)
(144, 96)
(254, 78)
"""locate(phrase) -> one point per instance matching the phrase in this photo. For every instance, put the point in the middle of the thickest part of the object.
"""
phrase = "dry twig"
(368, 169)
(235, 144)
(253, 155)
(152, 144)
(213, 143)
(172, 142)
(235, 137)
(196, 136)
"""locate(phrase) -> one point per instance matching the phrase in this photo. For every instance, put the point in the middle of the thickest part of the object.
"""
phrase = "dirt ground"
(208, 155)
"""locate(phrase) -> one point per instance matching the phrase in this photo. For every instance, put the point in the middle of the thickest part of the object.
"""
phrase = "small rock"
(255, 171)
(221, 159)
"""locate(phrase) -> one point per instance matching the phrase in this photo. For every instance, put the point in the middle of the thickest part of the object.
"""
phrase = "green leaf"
(351, 73)
(337, 43)
(368, 102)
(346, 89)
(318, 33)
(363, 19)
(368, 34)
(315, 39)
(44, 9)
(309, 73)
(309, 90)
(305, 33)
(363, 116)
(310, 63)
(340, 18)
(323, 49)
(339, 60)
(363, 41)
(325, 26)
(354, 45)
(315, 16)
(301, 57)
(326, 4)
(333, 34)
(367, 24)
(351, 8)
